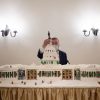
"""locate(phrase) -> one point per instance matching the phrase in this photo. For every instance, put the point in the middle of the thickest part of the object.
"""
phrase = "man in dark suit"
(55, 42)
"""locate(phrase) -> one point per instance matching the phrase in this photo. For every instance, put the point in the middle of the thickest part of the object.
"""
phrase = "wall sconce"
(94, 31)
(7, 31)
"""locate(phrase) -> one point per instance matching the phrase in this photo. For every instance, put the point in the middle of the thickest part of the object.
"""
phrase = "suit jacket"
(62, 57)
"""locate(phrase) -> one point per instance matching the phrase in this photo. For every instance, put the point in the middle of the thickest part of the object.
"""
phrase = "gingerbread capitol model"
(50, 73)
(50, 55)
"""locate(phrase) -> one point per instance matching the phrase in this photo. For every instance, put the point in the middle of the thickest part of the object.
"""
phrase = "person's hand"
(46, 42)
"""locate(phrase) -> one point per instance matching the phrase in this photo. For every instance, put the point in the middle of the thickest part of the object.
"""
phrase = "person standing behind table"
(55, 42)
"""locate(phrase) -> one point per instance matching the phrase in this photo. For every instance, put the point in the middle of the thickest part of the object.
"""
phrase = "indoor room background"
(65, 19)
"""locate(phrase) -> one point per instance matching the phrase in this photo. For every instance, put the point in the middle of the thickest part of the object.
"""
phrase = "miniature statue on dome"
(50, 53)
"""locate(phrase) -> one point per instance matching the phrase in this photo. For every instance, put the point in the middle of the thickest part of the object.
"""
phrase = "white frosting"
(50, 55)
(50, 81)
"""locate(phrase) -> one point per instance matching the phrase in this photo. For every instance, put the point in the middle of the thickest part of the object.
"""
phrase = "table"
(64, 93)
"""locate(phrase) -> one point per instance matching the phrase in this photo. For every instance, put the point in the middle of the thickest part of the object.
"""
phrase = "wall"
(63, 18)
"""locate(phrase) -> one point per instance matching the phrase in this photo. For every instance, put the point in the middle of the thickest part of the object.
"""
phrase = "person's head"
(55, 43)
